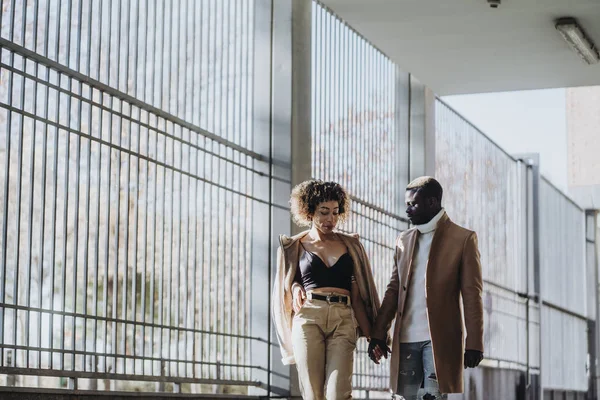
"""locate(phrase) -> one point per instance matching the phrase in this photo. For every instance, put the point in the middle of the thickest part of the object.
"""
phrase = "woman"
(324, 296)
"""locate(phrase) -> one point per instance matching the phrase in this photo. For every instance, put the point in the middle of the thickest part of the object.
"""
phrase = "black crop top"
(312, 272)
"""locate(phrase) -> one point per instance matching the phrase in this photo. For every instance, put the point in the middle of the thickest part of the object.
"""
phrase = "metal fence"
(140, 188)
(486, 190)
(536, 291)
(129, 189)
(356, 141)
(564, 291)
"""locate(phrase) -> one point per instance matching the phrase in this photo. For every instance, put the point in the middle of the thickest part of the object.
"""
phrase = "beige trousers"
(324, 338)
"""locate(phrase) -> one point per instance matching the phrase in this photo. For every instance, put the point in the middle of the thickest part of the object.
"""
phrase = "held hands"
(298, 297)
(378, 349)
(473, 358)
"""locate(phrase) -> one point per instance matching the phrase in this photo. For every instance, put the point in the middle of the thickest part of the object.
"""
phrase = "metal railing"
(486, 191)
(564, 291)
(135, 180)
(535, 315)
(355, 141)
(127, 193)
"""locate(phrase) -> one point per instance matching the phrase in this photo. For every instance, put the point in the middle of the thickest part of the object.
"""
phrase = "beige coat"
(288, 255)
(453, 271)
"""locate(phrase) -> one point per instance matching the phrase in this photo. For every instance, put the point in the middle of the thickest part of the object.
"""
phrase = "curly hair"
(307, 195)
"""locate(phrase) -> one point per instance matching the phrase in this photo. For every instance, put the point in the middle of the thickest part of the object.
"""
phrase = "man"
(436, 263)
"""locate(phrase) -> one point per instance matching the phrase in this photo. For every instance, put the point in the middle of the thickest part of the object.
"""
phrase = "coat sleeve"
(366, 292)
(389, 305)
(280, 317)
(471, 290)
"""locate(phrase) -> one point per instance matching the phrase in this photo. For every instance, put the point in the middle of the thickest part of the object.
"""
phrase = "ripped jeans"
(416, 378)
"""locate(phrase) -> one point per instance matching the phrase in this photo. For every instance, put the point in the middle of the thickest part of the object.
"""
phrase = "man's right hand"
(378, 349)
(299, 297)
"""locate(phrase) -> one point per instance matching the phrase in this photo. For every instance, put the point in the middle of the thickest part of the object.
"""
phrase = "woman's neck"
(318, 236)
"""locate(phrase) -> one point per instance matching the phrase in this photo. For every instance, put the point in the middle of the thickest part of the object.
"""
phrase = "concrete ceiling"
(464, 46)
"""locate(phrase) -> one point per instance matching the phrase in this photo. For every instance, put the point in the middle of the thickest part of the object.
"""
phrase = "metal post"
(594, 300)
(402, 131)
(416, 128)
(301, 118)
(533, 209)
(301, 90)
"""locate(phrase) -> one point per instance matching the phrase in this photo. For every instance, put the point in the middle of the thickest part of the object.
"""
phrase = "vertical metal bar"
(228, 197)
(108, 188)
(249, 93)
(222, 177)
(43, 195)
(372, 123)
(201, 198)
(328, 89)
(133, 317)
(325, 93)
(32, 164)
(19, 177)
(212, 126)
(167, 106)
(154, 246)
(321, 90)
(191, 261)
(96, 246)
(345, 100)
(369, 128)
(353, 105)
(170, 292)
(313, 100)
(115, 278)
(179, 23)
(77, 186)
(97, 310)
(55, 202)
(190, 181)
(235, 243)
(124, 337)
(196, 49)
(147, 189)
(88, 193)
(108, 229)
(146, 211)
(270, 221)
(338, 127)
(162, 253)
(177, 245)
(12, 23)
(155, 193)
(65, 234)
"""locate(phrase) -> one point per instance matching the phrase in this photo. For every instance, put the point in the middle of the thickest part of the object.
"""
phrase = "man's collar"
(431, 225)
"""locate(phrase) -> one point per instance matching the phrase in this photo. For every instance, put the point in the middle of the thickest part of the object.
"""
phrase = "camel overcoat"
(453, 272)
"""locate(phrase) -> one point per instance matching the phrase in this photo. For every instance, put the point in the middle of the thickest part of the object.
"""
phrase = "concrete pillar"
(421, 130)
(301, 91)
(272, 127)
(301, 94)
(282, 133)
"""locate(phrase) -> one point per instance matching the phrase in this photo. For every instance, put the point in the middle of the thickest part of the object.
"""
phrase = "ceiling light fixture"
(578, 40)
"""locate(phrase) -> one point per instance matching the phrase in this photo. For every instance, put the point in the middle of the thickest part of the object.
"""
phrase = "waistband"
(329, 298)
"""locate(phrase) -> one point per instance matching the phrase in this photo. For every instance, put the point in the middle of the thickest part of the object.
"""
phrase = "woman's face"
(326, 216)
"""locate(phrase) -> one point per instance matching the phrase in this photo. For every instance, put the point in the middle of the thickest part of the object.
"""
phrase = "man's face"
(419, 209)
